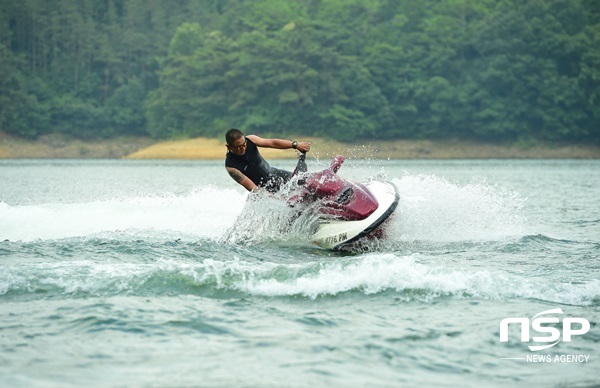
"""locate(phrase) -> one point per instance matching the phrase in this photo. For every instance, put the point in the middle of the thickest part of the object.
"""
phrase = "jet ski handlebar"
(336, 163)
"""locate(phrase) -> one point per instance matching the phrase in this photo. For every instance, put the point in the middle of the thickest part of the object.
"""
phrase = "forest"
(489, 70)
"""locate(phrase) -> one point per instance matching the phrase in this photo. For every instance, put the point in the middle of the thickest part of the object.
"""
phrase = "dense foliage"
(350, 69)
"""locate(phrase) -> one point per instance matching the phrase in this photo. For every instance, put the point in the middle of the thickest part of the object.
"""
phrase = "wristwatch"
(294, 144)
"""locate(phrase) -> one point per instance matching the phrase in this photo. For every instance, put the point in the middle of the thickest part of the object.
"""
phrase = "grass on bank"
(203, 148)
(57, 146)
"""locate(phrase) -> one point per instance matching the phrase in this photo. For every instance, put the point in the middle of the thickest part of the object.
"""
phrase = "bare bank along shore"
(56, 146)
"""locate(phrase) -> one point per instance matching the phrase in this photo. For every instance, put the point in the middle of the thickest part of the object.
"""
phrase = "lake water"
(152, 273)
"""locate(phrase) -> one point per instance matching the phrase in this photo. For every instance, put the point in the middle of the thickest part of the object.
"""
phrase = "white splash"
(205, 212)
(434, 209)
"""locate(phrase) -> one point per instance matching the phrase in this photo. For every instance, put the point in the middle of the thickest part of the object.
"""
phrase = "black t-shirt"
(257, 169)
(250, 164)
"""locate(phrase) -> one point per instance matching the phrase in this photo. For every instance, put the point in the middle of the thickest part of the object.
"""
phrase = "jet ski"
(348, 212)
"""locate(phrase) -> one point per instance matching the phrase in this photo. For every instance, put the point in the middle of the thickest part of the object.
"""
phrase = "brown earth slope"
(56, 146)
(201, 148)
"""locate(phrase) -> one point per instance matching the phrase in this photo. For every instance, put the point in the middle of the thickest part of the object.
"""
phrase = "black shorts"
(277, 178)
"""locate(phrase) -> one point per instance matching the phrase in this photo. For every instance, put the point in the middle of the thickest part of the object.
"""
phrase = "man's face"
(238, 147)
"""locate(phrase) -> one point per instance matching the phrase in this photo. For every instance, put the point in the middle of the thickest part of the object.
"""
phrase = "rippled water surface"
(150, 273)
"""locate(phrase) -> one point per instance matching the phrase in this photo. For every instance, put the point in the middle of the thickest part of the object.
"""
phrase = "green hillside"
(490, 70)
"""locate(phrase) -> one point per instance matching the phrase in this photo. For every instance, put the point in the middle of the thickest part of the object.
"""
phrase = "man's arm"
(240, 178)
(278, 143)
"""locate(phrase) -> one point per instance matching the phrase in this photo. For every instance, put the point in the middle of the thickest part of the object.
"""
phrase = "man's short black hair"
(232, 135)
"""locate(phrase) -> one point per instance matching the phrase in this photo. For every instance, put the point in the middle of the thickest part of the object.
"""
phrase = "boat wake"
(368, 274)
(431, 209)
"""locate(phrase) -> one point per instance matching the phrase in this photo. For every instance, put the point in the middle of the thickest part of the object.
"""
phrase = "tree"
(486, 69)
(20, 112)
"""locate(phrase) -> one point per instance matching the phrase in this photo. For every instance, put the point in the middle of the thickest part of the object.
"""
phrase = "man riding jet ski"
(346, 212)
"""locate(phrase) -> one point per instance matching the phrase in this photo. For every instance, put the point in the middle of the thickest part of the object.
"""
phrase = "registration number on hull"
(336, 238)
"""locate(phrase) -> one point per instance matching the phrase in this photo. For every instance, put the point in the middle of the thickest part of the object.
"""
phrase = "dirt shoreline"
(56, 146)
(61, 147)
